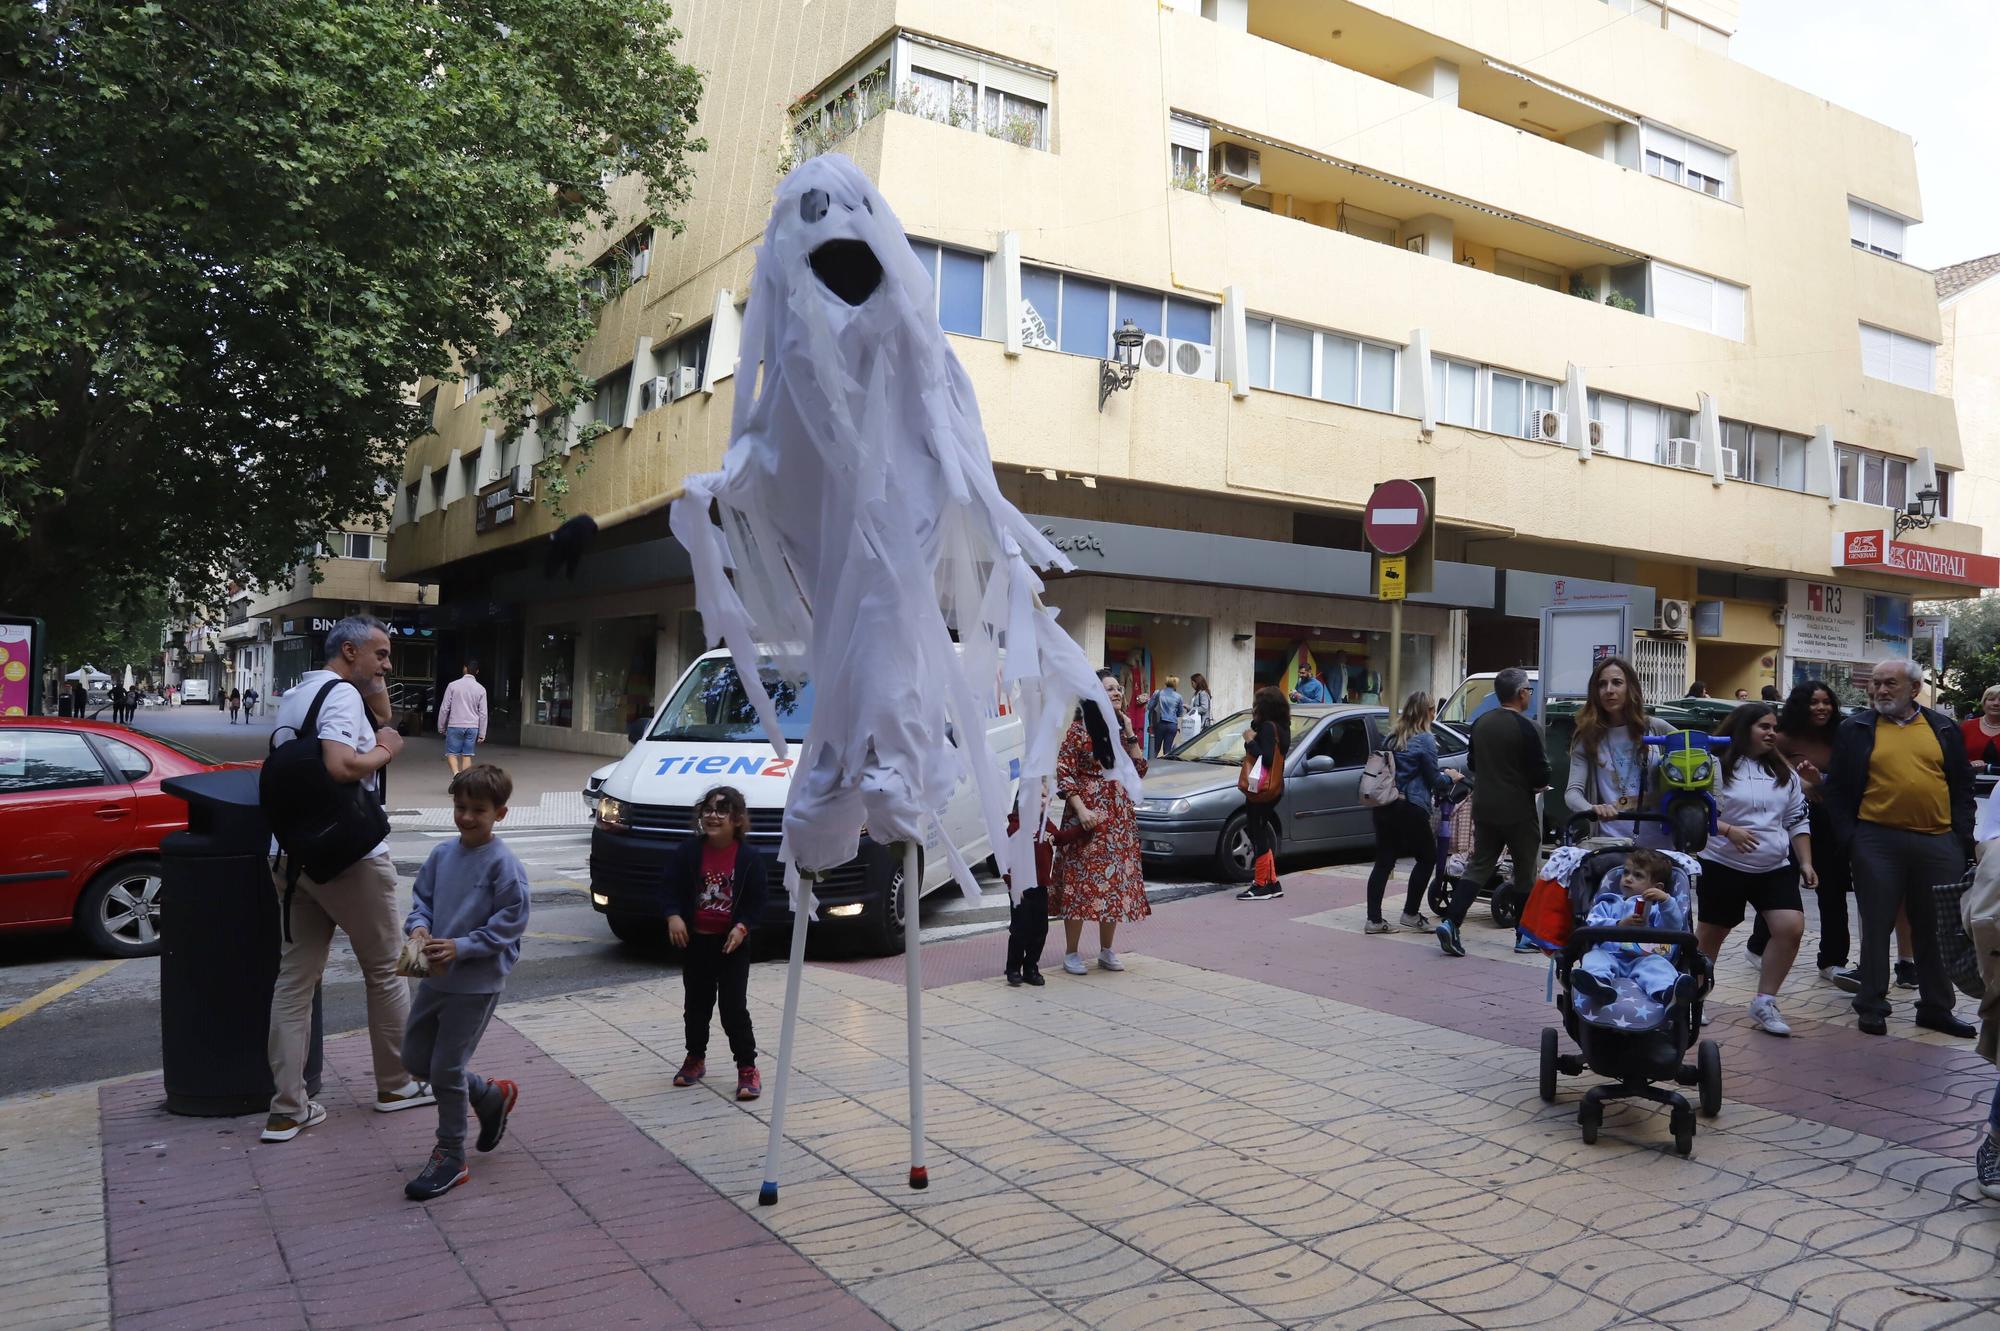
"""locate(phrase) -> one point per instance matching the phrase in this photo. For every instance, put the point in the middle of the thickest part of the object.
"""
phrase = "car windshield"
(1460, 707)
(712, 705)
(1223, 742)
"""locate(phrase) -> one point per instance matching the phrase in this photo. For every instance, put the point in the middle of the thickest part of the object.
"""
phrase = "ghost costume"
(861, 519)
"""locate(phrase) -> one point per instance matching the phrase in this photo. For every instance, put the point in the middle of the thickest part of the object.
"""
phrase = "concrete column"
(1229, 13)
(1435, 79)
(1235, 342)
(1434, 231)
(1003, 280)
(725, 340)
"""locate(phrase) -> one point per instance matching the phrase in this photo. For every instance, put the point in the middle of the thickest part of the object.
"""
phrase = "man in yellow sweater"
(1901, 789)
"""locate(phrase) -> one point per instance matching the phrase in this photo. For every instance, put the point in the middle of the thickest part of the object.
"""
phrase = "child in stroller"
(1640, 1032)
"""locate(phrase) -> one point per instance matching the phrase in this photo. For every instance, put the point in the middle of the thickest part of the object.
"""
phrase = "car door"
(1323, 793)
(61, 813)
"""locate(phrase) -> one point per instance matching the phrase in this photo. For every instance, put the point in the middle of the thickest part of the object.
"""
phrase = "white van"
(707, 734)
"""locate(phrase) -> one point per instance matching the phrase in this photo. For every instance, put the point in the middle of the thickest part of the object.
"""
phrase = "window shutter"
(1017, 82)
(1858, 215)
(1875, 352)
(1910, 362)
(1184, 132)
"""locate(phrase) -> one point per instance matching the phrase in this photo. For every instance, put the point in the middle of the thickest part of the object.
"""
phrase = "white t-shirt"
(342, 717)
(1772, 809)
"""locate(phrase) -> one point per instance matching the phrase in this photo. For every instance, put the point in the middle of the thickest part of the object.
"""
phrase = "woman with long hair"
(1098, 877)
(1982, 730)
(1763, 850)
(1269, 736)
(1610, 767)
(1403, 826)
(1200, 701)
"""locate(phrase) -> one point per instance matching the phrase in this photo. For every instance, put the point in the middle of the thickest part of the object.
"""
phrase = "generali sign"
(1874, 549)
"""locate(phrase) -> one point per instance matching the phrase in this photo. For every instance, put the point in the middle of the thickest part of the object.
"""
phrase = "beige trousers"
(362, 904)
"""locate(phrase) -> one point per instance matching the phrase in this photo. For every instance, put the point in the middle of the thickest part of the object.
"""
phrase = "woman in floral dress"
(1098, 878)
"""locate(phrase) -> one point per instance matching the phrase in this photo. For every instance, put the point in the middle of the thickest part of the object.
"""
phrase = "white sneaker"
(1073, 964)
(409, 1097)
(278, 1128)
(1764, 1011)
(1108, 960)
(1828, 972)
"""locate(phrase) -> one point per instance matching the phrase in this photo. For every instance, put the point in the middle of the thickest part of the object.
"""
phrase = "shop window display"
(552, 667)
(623, 656)
(1145, 647)
(1352, 663)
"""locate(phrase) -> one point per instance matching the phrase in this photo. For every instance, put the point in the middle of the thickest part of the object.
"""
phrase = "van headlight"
(610, 812)
(1169, 807)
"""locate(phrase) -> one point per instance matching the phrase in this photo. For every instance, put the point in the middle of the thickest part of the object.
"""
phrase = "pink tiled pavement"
(577, 1220)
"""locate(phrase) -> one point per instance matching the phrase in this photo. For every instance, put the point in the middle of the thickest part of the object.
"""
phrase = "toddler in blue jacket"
(1643, 897)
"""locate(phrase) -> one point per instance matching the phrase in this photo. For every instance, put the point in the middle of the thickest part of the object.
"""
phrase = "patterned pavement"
(1268, 1120)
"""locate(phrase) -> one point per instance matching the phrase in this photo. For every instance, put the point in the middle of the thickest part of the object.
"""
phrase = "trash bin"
(219, 951)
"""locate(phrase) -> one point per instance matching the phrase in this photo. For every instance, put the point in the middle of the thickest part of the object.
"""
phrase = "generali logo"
(1864, 547)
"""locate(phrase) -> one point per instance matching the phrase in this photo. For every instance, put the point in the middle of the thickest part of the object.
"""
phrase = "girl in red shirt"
(717, 881)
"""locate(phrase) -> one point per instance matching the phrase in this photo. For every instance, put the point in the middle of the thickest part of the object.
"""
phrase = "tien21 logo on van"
(718, 764)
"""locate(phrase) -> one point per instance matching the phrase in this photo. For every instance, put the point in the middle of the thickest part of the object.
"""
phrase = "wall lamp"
(1115, 374)
(1922, 512)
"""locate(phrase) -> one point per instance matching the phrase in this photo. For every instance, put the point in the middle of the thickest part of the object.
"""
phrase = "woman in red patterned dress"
(1098, 878)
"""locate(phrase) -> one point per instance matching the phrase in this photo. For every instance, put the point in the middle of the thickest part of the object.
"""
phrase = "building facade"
(274, 635)
(1969, 371)
(1638, 311)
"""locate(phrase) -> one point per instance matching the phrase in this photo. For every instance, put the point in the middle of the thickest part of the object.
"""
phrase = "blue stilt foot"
(920, 1177)
(767, 1195)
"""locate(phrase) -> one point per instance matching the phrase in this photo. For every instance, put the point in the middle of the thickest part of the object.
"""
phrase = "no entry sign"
(1396, 516)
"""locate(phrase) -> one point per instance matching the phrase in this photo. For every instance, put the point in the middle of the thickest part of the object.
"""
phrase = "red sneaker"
(692, 1071)
(748, 1084)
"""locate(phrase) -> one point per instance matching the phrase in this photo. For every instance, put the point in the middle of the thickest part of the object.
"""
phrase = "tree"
(1971, 651)
(236, 234)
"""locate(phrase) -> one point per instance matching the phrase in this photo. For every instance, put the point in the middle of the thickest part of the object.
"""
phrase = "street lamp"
(1921, 513)
(1113, 375)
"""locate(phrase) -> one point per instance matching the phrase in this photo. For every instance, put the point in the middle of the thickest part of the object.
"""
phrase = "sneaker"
(439, 1176)
(1594, 987)
(1073, 964)
(1418, 923)
(1013, 979)
(1832, 974)
(1033, 975)
(410, 1097)
(1847, 981)
(748, 1084)
(492, 1110)
(1523, 945)
(1906, 973)
(1107, 960)
(1265, 892)
(1764, 1012)
(1447, 936)
(278, 1128)
(1988, 1164)
(1378, 927)
(692, 1070)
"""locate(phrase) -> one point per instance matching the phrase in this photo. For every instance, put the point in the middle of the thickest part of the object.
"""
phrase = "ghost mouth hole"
(848, 268)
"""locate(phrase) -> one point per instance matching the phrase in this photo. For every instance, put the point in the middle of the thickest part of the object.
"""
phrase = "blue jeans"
(458, 741)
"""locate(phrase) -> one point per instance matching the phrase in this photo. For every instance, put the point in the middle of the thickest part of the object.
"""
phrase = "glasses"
(717, 810)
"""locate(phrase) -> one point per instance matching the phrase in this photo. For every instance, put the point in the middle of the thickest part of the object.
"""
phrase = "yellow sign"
(1390, 578)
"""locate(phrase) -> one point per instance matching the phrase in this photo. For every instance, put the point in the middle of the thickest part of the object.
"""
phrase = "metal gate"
(1662, 664)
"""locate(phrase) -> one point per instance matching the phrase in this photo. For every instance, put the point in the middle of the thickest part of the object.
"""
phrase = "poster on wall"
(19, 673)
(1825, 621)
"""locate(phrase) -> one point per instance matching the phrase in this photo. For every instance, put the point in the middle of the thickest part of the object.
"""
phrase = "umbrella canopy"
(87, 674)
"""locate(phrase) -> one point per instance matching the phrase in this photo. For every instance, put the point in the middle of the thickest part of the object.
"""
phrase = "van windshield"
(711, 705)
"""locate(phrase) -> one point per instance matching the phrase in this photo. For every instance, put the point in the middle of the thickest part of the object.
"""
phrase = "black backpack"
(323, 826)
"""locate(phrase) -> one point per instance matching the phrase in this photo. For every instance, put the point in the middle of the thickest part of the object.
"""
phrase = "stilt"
(913, 972)
(802, 908)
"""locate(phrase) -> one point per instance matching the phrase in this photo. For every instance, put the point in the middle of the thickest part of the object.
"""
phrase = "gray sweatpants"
(444, 1029)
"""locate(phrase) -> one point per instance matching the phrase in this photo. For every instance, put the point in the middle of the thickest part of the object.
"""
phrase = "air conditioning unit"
(687, 380)
(1597, 434)
(1236, 165)
(1196, 360)
(1155, 353)
(654, 393)
(1681, 453)
(1546, 426)
(1672, 616)
(1731, 462)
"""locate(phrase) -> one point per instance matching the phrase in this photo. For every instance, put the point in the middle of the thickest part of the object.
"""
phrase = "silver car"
(1192, 810)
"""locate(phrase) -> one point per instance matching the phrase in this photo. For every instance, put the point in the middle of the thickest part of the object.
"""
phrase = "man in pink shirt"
(462, 718)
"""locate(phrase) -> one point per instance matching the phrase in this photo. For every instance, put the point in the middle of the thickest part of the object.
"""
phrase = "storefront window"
(1353, 664)
(552, 668)
(1146, 649)
(623, 655)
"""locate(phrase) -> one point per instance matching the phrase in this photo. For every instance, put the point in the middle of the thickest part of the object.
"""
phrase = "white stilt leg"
(802, 907)
(913, 972)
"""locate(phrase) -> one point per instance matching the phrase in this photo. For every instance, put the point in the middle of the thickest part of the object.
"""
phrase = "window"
(608, 408)
(939, 97)
(1086, 317)
(1021, 121)
(470, 386)
(1765, 456)
(1640, 430)
(1189, 171)
(1345, 741)
(438, 479)
(551, 670)
(1684, 161)
(1697, 301)
(1875, 229)
(46, 760)
(1352, 371)
(427, 407)
(362, 545)
(1526, 270)
(131, 764)
(689, 351)
(948, 85)
(1513, 398)
(410, 496)
(624, 264)
(623, 657)
(1291, 360)
(1898, 358)
(1077, 315)
(1455, 390)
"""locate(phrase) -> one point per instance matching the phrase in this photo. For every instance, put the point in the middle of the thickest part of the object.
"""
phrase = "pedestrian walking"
(462, 718)
(1901, 791)
(249, 703)
(716, 889)
(468, 911)
(1099, 876)
(1268, 740)
(360, 901)
(1806, 726)
(1610, 766)
(117, 704)
(1167, 706)
(1762, 851)
(235, 705)
(1404, 826)
(1509, 762)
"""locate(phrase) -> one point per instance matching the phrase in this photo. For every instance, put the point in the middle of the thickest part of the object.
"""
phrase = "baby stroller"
(1454, 848)
(1632, 1038)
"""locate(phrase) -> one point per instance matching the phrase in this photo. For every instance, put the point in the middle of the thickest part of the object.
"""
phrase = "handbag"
(1261, 784)
(1546, 920)
(1378, 779)
(1955, 947)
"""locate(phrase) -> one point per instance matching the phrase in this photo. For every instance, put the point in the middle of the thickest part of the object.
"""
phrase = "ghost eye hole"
(848, 268)
(813, 205)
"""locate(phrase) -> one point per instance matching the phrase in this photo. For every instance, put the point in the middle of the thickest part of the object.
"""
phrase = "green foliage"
(1618, 300)
(1971, 650)
(112, 635)
(237, 233)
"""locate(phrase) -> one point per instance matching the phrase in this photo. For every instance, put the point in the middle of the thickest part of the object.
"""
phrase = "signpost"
(1397, 523)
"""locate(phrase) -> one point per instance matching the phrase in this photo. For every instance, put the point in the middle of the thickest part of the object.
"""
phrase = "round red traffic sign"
(1396, 516)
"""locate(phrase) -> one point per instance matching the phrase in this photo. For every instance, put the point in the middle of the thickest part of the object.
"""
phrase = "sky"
(1930, 68)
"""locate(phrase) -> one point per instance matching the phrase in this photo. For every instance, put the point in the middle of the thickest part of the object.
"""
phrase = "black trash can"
(219, 951)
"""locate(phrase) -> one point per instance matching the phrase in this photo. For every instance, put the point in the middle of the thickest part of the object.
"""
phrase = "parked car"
(81, 818)
(1192, 812)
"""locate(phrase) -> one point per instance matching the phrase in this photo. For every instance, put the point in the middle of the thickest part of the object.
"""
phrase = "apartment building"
(1640, 311)
(1969, 372)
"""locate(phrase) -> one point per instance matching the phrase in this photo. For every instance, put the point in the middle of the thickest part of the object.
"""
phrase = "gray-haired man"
(361, 901)
(1509, 762)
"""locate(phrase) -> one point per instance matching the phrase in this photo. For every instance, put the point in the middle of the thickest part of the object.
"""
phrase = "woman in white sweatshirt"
(1761, 853)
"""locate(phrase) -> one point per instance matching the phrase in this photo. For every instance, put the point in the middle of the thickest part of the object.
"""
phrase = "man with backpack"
(1509, 762)
(327, 816)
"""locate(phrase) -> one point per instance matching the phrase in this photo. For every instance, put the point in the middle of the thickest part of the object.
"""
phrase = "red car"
(81, 817)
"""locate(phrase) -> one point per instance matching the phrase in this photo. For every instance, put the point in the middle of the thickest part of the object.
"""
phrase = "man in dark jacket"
(1900, 790)
(1509, 762)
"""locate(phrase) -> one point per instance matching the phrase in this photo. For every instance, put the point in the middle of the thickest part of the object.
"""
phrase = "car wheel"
(1235, 857)
(119, 913)
(882, 928)
(1690, 826)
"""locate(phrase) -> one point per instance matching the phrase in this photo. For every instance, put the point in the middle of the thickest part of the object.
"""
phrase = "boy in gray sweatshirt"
(469, 908)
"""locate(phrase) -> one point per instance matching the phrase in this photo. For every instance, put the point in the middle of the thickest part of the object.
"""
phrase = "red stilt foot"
(919, 1177)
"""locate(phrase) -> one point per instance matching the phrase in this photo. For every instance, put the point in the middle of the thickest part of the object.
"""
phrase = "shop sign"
(1874, 549)
(1075, 542)
(1824, 621)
